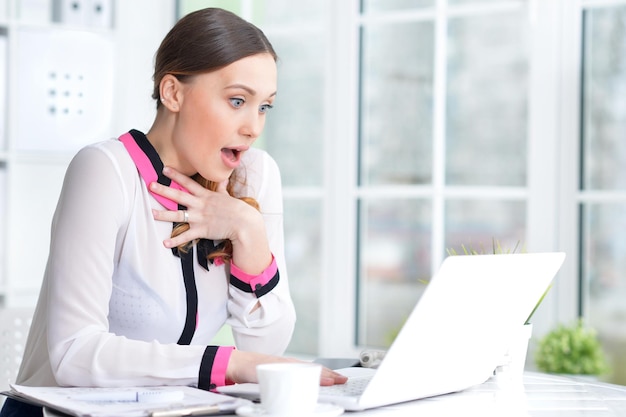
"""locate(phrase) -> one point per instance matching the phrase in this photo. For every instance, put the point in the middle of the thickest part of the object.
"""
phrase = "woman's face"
(221, 114)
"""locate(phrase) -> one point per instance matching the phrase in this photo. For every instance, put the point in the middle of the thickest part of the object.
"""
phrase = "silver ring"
(185, 216)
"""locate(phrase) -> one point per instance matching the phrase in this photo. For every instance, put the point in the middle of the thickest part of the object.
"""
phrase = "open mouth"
(231, 154)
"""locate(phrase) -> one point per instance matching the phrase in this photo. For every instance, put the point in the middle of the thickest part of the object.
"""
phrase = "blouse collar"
(149, 165)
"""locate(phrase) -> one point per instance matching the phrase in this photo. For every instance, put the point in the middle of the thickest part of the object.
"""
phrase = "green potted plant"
(571, 349)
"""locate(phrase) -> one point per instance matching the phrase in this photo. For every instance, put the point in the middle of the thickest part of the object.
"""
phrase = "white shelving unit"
(77, 72)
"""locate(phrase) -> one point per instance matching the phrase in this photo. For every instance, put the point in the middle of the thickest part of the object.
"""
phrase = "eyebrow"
(248, 89)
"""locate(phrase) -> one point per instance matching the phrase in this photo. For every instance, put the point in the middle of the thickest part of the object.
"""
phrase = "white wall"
(140, 25)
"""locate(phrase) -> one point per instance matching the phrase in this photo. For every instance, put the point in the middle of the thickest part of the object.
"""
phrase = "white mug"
(289, 389)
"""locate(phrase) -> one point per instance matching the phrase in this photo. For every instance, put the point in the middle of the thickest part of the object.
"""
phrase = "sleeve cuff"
(213, 367)
(258, 284)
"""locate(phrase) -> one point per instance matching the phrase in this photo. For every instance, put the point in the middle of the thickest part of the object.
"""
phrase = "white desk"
(540, 395)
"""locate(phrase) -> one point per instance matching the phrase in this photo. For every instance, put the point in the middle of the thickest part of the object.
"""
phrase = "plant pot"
(514, 360)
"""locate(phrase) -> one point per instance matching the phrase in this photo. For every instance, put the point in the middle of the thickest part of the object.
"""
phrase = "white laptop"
(456, 334)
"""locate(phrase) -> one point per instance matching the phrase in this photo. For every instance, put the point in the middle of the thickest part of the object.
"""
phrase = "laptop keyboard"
(353, 387)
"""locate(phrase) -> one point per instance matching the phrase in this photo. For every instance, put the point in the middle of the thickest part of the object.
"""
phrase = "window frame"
(338, 337)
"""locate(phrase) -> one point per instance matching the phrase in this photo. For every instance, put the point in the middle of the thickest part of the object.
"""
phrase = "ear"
(170, 90)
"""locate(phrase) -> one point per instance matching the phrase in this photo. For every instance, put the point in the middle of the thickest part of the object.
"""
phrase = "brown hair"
(204, 41)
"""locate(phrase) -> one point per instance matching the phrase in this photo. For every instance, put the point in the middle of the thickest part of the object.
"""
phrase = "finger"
(182, 238)
(221, 187)
(171, 216)
(182, 179)
(330, 377)
(326, 381)
(178, 196)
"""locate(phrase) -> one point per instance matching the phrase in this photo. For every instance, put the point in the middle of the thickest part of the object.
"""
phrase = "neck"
(161, 136)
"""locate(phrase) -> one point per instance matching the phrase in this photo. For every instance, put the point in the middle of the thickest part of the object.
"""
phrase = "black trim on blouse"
(259, 290)
(206, 368)
(186, 258)
(186, 261)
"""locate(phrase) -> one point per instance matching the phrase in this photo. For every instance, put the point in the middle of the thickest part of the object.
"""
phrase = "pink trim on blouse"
(220, 363)
(255, 280)
(147, 171)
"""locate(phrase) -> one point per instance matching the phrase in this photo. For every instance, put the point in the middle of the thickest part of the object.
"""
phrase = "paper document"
(162, 401)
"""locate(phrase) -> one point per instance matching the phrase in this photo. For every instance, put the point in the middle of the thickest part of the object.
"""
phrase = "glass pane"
(3, 216)
(396, 104)
(294, 131)
(603, 266)
(394, 261)
(478, 224)
(289, 13)
(487, 100)
(604, 99)
(302, 251)
(382, 5)
(4, 99)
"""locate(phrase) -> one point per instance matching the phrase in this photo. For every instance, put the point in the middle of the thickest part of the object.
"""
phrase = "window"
(407, 127)
(602, 188)
(442, 146)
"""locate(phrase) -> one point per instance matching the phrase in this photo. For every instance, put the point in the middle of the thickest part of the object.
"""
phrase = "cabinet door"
(65, 84)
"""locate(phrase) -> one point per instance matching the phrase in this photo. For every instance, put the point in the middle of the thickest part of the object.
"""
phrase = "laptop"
(454, 337)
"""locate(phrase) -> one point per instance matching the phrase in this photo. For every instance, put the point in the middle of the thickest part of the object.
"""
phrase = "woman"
(146, 264)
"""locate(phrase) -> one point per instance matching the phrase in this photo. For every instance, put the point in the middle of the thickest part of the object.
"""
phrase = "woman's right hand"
(242, 368)
(216, 215)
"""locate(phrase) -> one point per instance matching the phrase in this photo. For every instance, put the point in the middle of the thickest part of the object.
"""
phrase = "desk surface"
(539, 395)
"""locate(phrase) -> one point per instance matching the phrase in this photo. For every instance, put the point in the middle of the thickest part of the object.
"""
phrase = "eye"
(265, 108)
(236, 102)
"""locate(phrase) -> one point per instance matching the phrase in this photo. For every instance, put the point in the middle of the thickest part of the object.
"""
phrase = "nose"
(253, 125)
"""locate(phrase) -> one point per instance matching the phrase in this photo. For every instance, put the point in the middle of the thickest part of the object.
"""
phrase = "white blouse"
(113, 302)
